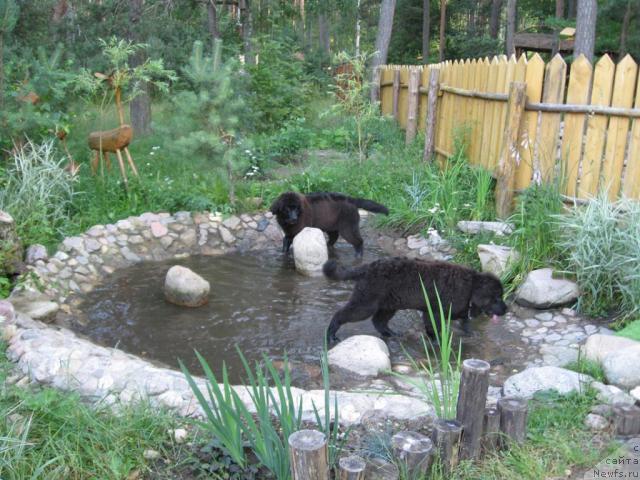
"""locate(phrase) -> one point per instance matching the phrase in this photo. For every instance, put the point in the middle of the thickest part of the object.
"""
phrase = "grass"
(587, 367)
(631, 330)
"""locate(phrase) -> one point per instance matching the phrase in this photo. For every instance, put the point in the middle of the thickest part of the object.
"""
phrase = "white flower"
(157, 147)
(151, 153)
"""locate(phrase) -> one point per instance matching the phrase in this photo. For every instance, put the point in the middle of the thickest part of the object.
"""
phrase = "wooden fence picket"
(631, 187)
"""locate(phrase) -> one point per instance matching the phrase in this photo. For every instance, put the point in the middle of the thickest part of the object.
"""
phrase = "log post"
(446, 440)
(309, 455)
(491, 429)
(414, 102)
(432, 102)
(626, 419)
(396, 93)
(510, 150)
(375, 84)
(352, 468)
(513, 419)
(414, 450)
(472, 400)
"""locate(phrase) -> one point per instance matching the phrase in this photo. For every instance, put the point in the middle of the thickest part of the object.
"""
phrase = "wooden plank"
(431, 127)
(492, 82)
(498, 115)
(547, 141)
(396, 93)
(474, 125)
(596, 128)
(466, 70)
(631, 187)
(403, 100)
(510, 152)
(533, 78)
(386, 92)
(413, 100)
(443, 110)
(424, 87)
(623, 93)
(510, 71)
(577, 93)
(478, 114)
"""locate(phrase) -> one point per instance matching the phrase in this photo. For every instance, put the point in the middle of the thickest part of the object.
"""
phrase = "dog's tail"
(369, 205)
(335, 271)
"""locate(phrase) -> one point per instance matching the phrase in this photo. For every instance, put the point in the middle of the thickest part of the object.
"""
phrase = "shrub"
(37, 192)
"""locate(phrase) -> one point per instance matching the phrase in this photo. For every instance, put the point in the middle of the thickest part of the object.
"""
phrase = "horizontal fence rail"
(580, 124)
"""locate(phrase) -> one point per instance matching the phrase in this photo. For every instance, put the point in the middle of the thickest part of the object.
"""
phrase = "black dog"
(334, 213)
(391, 284)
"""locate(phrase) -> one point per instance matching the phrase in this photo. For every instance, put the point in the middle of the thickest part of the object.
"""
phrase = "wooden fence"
(527, 120)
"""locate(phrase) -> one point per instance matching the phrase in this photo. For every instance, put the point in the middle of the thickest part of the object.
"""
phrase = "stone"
(475, 227)
(496, 259)
(7, 312)
(363, 355)
(635, 393)
(136, 240)
(158, 230)
(310, 251)
(129, 255)
(541, 290)
(92, 245)
(544, 316)
(124, 225)
(231, 223)
(226, 235)
(598, 346)
(166, 242)
(179, 435)
(185, 287)
(150, 454)
(34, 253)
(621, 367)
(596, 422)
(44, 311)
(12, 248)
(531, 322)
(612, 395)
(538, 379)
(188, 238)
(73, 243)
(558, 356)
(416, 242)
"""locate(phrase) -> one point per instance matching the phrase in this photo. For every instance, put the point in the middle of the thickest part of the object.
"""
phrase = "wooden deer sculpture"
(114, 141)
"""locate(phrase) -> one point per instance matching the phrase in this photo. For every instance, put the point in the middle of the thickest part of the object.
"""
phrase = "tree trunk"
(323, 33)
(559, 8)
(426, 27)
(1, 69)
(624, 32)
(511, 27)
(383, 36)
(247, 32)
(571, 9)
(586, 28)
(212, 22)
(494, 20)
(358, 28)
(140, 106)
(443, 26)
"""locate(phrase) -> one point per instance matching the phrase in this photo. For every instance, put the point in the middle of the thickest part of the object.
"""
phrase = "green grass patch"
(588, 367)
(631, 330)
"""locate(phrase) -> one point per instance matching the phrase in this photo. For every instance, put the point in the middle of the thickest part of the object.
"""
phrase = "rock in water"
(541, 290)
(310, 251)
(363, 355)
(185, 288)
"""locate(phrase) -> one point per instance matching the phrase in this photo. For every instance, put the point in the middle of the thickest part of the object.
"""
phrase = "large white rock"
(474, 227)
(185, 287)
(496, 258)
(538, 379)
(310, 251)
(541, 290)
(622, 367)
(612, 395)
(34, 253)
(598, 346)
(363, 355)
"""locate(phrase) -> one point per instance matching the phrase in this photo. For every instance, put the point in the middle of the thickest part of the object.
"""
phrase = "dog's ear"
(276, 206)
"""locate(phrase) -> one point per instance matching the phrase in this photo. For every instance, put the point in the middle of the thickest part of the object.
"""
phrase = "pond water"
(258, 303)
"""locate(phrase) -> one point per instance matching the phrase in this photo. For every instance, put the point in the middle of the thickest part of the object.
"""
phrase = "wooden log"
(490, 430)
(376, 84)
(111, 140)
(626, 419)
(510, 150)
(463, 92)
(352, 468)
(130, 160)
(309, 455)
(446, 440)
(432, 102)
(122, 169)
(414, 101)
(589, 109)
(472, 400)
(414, 450)
(396, 93)
(513, 419)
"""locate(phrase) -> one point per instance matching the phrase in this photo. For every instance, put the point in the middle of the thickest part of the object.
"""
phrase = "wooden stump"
(352, 468)
(513, 419)
(414, 450)
(446, 440)
(626, 419)
(472, 400)
(309, 455)
(490, 430)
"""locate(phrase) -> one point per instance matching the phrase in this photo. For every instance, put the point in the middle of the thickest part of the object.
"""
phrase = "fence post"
(513, 419)
(352, 468)
(491, 429)
(446, 439)
(472, 400)
(510, 152)
(396, 92)
(626, 419)
(414, 102)
(414, 450)
(309, 455)
(432, 102)
(375, 84)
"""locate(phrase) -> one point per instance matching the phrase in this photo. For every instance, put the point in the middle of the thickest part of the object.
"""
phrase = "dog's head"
(486, 296)
(287, 208)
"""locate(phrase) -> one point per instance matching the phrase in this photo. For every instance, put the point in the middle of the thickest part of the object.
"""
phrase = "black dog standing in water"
(391, 284)
(334, 213)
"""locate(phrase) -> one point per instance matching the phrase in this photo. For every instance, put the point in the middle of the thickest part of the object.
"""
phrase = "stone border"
(56, 356)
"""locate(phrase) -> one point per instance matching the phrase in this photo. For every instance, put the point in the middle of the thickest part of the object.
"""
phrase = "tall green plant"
(8, 18)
